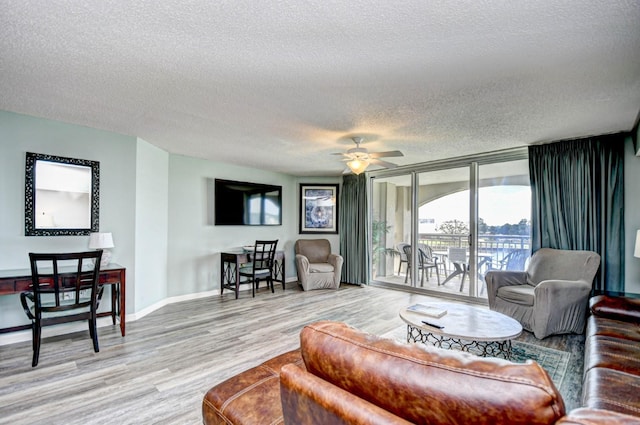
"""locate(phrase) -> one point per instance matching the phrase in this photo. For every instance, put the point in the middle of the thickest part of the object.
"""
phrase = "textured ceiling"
(280, 85)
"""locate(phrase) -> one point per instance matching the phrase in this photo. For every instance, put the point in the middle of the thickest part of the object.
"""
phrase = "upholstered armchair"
(551, 296)
(317, 267)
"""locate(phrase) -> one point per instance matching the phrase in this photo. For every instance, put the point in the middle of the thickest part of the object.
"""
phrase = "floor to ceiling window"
(440, 227)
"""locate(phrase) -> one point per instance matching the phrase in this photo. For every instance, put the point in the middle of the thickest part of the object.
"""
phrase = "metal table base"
(480, 348)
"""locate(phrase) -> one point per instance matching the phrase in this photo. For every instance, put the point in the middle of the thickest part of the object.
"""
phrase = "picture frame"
(318, 208)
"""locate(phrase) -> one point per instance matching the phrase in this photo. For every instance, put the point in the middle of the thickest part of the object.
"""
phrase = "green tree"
(453, 227)
(379, 230)
(483, 228)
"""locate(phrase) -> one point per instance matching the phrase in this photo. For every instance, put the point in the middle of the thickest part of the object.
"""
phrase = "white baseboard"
(47, 331)
(179, 298)
(66, 328)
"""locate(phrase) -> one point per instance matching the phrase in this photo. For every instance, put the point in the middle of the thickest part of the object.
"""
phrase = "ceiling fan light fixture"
(357, 165)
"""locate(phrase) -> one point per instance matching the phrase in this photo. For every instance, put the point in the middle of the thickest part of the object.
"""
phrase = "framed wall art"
(318, 208)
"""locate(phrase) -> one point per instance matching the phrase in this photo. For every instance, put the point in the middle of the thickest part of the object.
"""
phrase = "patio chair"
(514, 260)
(457, 257)
(426, 262)
(403, 256)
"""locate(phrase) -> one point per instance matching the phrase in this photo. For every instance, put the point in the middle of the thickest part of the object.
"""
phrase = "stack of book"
(428, 310)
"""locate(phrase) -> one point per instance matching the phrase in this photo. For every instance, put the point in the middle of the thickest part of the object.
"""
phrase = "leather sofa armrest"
(617, 308)
(309, 400)
(250, 397)
(588, 416)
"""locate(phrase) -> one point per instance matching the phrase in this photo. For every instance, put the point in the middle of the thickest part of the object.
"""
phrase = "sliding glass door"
(439, 229)
(504, 218)
(391, 229)
(443, 229)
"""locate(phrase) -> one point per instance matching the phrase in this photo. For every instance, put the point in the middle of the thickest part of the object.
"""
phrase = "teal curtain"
(353, 228)
(578, 201)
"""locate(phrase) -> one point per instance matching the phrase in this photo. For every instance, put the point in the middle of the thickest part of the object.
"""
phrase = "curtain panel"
(577, 189)
(354, 229)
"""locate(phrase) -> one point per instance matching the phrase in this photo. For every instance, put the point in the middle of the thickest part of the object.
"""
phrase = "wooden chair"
(54, 299)
(261, 266)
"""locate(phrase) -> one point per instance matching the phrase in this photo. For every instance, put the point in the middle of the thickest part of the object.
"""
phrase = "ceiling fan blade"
(385, 154)
(382, 163)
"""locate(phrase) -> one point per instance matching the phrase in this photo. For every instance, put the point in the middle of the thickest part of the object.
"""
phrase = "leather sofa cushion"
(251, 397)
(612, 328)
(611, 389)
(428, 385)
(613, 353)
(519, 294)
(619, 308)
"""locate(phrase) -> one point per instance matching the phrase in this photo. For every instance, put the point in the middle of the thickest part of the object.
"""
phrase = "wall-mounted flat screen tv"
(247, 204)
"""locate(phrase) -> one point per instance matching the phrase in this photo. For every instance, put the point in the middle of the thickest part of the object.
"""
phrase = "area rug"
(555, 362)
(563, 367)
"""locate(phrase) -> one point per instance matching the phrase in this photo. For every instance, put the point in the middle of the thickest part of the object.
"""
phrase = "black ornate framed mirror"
(62, 196)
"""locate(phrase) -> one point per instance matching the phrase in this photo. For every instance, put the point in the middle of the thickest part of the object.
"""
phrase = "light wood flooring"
(160, 371)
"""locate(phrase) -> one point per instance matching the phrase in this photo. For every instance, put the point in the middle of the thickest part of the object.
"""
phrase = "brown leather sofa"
(612, 355)
(344, 376)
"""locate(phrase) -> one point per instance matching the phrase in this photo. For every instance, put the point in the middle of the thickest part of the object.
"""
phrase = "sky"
(497, 205)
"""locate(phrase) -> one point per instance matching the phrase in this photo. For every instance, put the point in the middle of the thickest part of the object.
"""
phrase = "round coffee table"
(466, 328)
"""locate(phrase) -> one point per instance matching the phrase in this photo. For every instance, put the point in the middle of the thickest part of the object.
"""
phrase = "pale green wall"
(155, 204)
(195, 243)
(151, 226)
(116, 153)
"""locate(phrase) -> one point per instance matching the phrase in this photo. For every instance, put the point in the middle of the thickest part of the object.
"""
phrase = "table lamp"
(103, 241)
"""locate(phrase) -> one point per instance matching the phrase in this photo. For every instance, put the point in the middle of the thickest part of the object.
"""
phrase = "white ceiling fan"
(358, 159)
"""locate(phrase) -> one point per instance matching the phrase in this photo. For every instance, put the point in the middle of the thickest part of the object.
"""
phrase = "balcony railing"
(498, 245)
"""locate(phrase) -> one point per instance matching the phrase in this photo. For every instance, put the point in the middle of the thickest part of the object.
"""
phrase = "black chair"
(261, 266)
(403, 256)
(426, 262)
(54, 299)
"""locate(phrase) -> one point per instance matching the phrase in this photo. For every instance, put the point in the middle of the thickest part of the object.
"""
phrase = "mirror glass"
(61, 196)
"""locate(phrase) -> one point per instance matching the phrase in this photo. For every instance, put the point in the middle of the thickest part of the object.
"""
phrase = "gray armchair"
(551, 296)
(317, 267)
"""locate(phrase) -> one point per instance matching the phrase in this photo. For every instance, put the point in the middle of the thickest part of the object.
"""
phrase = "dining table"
(459, 267)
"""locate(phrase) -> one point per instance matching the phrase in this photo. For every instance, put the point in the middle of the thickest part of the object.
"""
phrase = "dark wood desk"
(230, 269)
(17, 281)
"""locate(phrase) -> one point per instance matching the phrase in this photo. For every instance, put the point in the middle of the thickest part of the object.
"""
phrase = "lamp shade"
(358, 165)
(636, 252)
(100, 241)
